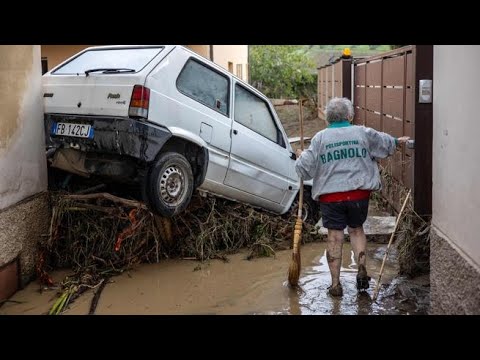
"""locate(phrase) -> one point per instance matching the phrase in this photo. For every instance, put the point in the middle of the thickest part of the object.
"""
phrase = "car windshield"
(121, 58)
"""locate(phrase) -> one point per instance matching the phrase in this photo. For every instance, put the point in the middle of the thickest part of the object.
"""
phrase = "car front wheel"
(170, 184)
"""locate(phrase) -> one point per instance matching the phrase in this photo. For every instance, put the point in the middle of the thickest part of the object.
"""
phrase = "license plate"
(75, 130)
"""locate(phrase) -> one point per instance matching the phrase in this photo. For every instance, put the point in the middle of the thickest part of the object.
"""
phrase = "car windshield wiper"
(109, 70)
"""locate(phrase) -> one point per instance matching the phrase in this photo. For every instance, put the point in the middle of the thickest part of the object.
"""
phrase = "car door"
(192, 98)
(259, 159)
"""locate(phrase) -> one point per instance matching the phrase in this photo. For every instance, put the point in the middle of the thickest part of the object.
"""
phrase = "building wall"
(23, 172)
(203, 50)
(455, 242)
(55, 54)
(236, 55)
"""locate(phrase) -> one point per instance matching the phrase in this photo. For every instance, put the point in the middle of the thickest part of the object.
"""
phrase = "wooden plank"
(319, 87)
(325, 92)
(373, 99)
(373, 120)
(374, 73)
(359, 97)
(410, 105)
(337, 89)
(328, 71)
(393, 102)
(359, 74)
(410, 70)
(381, 95)
(337, 71)
(359, 118)
(393, 70)
(392, 126)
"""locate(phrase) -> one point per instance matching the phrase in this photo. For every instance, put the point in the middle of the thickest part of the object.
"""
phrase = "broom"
(375, 293)
(295, 265)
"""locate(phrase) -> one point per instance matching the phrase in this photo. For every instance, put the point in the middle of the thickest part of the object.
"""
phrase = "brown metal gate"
(386, 99)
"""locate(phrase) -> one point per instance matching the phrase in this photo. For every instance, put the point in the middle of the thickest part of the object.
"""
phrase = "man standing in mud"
(342, 160)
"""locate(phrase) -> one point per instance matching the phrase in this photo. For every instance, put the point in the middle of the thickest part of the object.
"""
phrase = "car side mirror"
(293, 156)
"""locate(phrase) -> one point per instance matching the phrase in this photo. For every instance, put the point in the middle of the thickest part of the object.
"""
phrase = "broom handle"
(390, 243)
(300, 198)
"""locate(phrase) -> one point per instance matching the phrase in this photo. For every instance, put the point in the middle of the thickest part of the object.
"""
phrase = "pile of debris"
(413, 234)
(101, 235)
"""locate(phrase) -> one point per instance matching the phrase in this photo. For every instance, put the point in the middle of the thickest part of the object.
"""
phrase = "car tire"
(170, 184)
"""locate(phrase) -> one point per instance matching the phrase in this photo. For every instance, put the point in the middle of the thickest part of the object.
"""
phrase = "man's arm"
(382, 144)
(306, 163)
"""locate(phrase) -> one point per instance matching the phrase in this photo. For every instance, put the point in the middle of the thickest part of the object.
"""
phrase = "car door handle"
(235, 132)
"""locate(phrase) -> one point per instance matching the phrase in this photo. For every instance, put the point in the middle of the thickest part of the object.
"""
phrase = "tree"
(283, 71)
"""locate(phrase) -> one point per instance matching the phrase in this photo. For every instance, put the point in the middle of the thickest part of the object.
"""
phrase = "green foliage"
(289, 71)
(283, 71)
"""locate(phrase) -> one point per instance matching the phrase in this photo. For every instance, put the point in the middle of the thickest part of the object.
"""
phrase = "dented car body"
(171, 120)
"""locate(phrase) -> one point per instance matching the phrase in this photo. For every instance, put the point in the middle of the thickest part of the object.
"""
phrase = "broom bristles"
(295, 265)
(294, 269)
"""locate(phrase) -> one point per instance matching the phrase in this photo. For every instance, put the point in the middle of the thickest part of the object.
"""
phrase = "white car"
(171, 120)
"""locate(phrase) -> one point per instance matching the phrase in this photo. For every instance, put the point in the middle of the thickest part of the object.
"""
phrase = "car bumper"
(117, 136)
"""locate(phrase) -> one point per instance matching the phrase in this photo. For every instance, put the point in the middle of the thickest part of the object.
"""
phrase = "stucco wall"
(456, 165)
(56, 54)
(23, 175)
(456, 171)
(22, 143)
(203, 50)
(236, 54)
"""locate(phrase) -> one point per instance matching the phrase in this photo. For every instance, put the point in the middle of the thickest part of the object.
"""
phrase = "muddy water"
(236, 287)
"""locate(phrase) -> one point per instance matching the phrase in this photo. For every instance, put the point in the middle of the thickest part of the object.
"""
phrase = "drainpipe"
(211, 52)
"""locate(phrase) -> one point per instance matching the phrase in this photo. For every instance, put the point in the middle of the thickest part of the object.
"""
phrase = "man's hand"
(299, 152)
(403, 139)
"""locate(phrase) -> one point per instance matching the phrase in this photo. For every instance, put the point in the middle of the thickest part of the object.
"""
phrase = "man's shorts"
(337, 215)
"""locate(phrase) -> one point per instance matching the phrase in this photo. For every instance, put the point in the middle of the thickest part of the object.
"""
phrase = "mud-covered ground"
(240, 286)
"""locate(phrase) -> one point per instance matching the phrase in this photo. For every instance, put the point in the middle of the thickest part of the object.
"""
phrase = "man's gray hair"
(339, 109)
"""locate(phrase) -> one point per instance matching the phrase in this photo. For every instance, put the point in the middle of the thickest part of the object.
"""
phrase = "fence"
(334, 81)
(385, 97)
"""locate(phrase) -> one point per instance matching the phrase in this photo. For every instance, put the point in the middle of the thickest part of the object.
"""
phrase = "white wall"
(456, 144)
(236, 54)
(22, 142)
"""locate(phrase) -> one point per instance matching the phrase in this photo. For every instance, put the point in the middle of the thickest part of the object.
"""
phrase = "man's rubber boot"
(336, 291)
(362, 278)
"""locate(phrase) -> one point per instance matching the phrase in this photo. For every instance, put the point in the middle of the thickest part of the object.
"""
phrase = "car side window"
(204, 85)
(254, 113)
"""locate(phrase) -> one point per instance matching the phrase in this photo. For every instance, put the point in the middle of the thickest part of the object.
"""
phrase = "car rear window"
(126, 58)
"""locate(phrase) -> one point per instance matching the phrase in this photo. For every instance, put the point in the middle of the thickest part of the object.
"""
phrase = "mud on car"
(171, 121)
